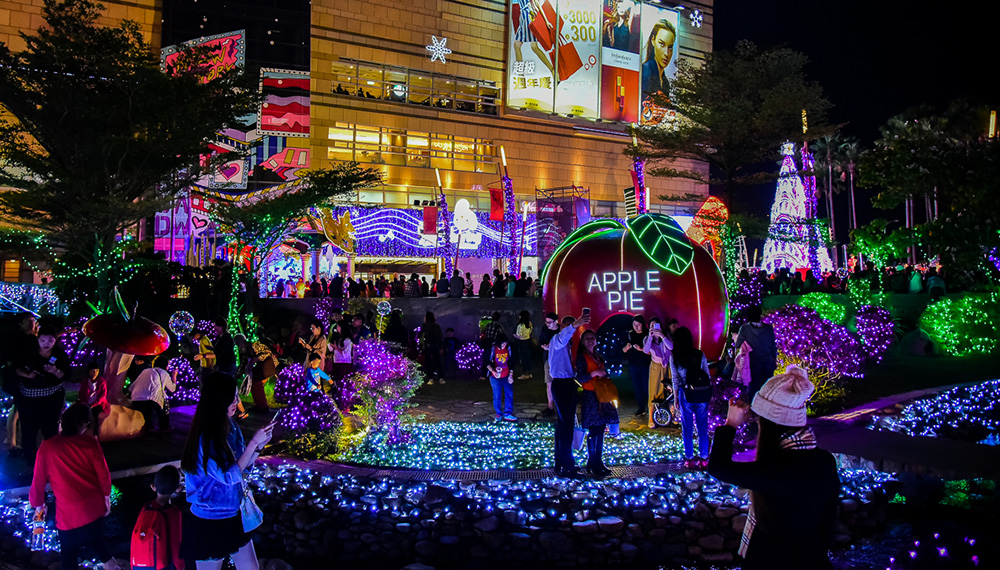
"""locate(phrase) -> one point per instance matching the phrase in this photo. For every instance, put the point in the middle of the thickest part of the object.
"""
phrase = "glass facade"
(384, 145)
(414, 87)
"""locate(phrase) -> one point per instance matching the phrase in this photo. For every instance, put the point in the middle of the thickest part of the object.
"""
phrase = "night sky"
(874, 60)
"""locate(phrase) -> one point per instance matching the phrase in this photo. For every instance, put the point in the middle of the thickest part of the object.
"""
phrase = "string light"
(469, 445)
(959, 412)
(876, 329)
(818, 343)
(188, 388)
(470, 356)
(969, 325)
(824, 305)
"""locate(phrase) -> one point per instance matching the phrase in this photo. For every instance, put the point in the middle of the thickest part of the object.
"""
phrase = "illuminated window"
(12, 270)
(414, 87)
(383, 145)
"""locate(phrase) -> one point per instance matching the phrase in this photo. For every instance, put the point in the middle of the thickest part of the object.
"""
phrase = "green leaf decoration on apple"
(663, 241)
(647, 266)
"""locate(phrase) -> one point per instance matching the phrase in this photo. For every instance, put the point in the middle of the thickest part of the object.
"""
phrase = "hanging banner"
(620, 40)
(430, 220)
(659, 63)
(531, 58)
(579, 58)
(496, 204)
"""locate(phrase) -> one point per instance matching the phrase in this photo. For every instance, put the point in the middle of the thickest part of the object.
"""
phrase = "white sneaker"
(441, 381)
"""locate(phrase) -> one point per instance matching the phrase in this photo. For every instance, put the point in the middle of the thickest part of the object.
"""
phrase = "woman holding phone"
(42, 394)
(214, 461)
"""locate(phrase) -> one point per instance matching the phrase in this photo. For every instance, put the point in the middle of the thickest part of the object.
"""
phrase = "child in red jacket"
(156, 538)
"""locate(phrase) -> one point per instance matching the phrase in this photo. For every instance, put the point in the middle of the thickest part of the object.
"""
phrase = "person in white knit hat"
(794, 486)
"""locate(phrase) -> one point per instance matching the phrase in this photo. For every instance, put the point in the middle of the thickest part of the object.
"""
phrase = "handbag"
(251, 514)
(742, 365)
(579, 437)
(605, 389)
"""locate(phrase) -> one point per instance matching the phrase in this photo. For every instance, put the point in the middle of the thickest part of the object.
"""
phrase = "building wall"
(26, 16)
(542, 151)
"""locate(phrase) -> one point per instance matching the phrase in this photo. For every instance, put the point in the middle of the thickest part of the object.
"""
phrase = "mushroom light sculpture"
(124, 336)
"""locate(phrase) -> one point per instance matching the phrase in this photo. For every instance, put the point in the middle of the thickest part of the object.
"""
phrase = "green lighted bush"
(825, 305)
(970, 325)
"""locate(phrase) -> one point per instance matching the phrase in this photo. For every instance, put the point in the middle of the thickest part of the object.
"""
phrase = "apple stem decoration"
(646, 266)
(124, 335)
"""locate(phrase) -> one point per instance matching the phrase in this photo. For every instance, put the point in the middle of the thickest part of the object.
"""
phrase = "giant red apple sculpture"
(647, 266)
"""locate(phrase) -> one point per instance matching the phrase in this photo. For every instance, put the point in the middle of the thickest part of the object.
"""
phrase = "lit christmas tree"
(790, 239)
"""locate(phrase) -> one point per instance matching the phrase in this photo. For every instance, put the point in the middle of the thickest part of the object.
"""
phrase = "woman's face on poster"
(663, 48)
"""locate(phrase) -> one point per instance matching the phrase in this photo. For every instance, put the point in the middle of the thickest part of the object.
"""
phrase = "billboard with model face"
(598, 59)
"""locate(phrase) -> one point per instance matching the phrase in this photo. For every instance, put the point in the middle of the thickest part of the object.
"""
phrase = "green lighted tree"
(254, 229)
(734, 111)
(96, 138)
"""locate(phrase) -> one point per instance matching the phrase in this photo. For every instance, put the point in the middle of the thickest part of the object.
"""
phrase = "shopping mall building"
(444, 97)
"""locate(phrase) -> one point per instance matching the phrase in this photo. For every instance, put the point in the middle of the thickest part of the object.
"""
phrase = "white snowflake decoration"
(788, 149)
(438, 49)
(697, 18)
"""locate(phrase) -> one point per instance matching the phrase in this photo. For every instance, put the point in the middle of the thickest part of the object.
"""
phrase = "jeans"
(595, 448)
(640, 382)
(71, 541)
(503, 395)
(690, 414)
(564, 395)
(149, 409)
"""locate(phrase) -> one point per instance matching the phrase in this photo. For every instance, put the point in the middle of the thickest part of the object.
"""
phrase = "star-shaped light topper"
(438, 49)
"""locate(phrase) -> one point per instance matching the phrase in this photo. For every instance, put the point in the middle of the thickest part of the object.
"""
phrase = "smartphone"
(586, 311)
(656, 326)
(277, 417)
(52, 361)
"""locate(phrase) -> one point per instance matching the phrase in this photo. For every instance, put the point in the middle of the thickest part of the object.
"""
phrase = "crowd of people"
(662, 361)
(900, 279)
(494, 286)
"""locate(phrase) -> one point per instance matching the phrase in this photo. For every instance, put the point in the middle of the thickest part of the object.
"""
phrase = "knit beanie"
(782, 399)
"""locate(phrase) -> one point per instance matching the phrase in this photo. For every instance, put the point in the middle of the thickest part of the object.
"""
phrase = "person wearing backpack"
(156, 538)
(693, 387)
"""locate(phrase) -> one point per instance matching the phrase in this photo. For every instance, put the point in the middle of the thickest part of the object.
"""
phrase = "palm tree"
(828, 158)
(851, 152)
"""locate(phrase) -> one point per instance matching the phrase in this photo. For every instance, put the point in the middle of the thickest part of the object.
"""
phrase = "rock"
(512, 517)
(694, 550)
(489, 524)
(417, 566)
(717, 557)
(849, 505)
(403, 528)
(738, 522)
(585, 527)
(701, 511)
(676, 550)
(301, 519)
(712, 542)
(630, 551)
(426, 548)
(274, 564)
(479, 551)
(555, 542)
(642, 515)
(611, 524)
(658, 535)
(842, 539)
(351, 546)
(519, 540)
(436, 495)
(368, 538)
(635, 530)
(675, 520)
(726, 512)
(450, 540)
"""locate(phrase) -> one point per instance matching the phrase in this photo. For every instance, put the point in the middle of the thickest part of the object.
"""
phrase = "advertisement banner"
(229, 51)
(530, 83)
(620, 41)
(659, 61)
(579, 58)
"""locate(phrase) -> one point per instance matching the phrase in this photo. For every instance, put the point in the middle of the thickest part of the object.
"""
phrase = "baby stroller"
(661, 409)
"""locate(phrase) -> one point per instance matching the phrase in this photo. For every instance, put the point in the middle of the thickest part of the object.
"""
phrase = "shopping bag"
(542, 31)
(579, 438)
(569, 60)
